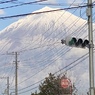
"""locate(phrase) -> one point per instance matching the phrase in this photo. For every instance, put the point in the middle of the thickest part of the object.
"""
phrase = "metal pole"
(16, 88)
(91, 46)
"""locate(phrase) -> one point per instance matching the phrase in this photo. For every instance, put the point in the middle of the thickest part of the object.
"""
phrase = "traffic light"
(75, 42)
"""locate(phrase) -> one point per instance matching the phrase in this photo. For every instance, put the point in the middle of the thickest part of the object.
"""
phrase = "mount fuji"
(37, 40)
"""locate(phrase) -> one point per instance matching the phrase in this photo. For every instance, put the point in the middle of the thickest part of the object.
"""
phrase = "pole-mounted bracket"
(91, 87)
(88, 13)
(63, 41)
(90, 46)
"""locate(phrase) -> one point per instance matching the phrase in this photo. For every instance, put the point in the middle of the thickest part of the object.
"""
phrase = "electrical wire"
(20, 15)
(2, 2)
(82, 59)
(75, 61)
(55, 23)
(23, 4)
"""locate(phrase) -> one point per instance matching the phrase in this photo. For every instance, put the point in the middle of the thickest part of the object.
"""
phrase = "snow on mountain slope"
(34, 25)
(37, 39)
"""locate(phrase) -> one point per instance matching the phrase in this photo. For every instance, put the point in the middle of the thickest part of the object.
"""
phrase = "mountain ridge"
(38, 39)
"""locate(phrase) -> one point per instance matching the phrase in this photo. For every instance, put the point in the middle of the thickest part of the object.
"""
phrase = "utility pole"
(7, 84)
(16, 71)
(91, 46)
(16, 74)
(73, 42)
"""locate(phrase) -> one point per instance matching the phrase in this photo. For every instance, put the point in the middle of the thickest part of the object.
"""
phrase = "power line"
(82, 59)
(28, 90)
(2, 2)
(64, 67)
(57, 21)
(57, 4)
(20, 15)
(23, 4)
(28, 3)
(40, 47)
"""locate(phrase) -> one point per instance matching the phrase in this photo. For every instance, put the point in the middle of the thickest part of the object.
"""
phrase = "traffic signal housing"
(75, 42)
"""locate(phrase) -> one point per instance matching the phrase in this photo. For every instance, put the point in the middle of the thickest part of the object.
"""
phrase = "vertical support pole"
(6, 90)
(16, 74)
(91, 46)
(7, 85)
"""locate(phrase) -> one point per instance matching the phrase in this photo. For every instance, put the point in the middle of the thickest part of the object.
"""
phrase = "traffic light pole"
(91, 46)
(82, 44)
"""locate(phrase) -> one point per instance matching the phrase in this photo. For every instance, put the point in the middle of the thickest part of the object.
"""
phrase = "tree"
(51, 86)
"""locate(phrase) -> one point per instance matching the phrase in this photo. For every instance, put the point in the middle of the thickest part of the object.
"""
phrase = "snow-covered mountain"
(37, 39)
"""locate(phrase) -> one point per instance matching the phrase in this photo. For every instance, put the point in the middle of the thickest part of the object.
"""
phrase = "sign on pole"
(65, 83)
